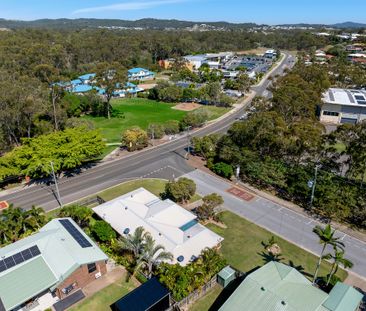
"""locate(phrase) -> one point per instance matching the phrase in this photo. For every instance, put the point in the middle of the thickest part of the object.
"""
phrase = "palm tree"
(338, 258)
(133, 243)
(34, 219)
(14, 218)
(326, 237)
(153, 254)
(212, 261)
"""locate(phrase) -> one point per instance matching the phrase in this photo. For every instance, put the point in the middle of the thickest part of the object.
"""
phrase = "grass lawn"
(134, 112)
(105, 297)
(242, 247)
(205, 302)
(214, 112)
(156, 186)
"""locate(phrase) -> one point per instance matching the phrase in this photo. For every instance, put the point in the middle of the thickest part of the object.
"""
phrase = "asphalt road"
(162, 161)
(289, 224)
(167, 161)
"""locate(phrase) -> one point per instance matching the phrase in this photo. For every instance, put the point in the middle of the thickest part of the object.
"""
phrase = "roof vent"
(126, 208)
(262, 288)
(283, 303)
(126, 231)
(180, 258)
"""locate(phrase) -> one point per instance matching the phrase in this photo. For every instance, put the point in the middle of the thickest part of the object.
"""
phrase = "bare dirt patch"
(258, 51)
(187, 106)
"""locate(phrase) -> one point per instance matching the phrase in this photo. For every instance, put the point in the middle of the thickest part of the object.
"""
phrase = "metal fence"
(91, 201)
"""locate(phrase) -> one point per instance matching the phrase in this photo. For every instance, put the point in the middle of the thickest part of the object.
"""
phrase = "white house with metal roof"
(343, 106)
(57, 260)
(169, 224)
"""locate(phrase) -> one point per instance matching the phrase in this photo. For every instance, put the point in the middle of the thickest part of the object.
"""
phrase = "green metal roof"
(60, 252)
(343, 298)
(226, 272)
(275, 287)
(21, 283)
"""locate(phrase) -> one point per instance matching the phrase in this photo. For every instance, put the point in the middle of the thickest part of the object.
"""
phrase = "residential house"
(320, 56)
(136, 74)
(48, 265)
(279, 287)
(343, 106)
(169, 224)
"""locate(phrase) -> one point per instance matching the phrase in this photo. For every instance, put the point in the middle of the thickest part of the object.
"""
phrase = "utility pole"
(313, 184)
(188, 142)
(56, 185)
(237, 173)
(152, 135)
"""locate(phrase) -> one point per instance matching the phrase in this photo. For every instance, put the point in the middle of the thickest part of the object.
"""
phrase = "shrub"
(134, 139)
(103, 231)
(223, 169)
(171, 127)
(196, 118)
(155, 131)
(181, 190)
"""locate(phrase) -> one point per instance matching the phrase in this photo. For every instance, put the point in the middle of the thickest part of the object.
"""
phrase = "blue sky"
(259, 11)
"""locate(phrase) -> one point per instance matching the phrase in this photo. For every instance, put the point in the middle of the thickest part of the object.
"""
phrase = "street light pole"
(56, 185)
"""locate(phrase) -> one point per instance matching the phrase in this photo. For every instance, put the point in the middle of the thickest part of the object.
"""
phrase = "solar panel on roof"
(359, 97)
(2, 266)
(75, 233)
(34, 250)
(26, 254)
(18, 258)
(9, 262)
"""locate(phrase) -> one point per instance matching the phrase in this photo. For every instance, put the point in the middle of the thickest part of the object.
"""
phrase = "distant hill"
(150, 23)
(349, 25)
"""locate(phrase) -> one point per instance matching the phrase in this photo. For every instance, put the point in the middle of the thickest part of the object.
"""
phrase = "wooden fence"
(195, 295)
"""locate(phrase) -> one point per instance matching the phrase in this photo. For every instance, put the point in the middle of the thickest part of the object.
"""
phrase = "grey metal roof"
(345, 97)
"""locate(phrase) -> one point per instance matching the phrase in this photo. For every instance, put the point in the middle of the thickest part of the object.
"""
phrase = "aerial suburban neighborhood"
(154, 157)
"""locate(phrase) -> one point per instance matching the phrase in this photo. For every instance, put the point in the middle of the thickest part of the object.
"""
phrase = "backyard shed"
(225, 276)
(150, 296)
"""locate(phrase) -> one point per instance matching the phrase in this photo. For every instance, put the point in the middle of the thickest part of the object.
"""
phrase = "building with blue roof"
(81, 88)
(76, 82)
(87, 78)
(138, 73)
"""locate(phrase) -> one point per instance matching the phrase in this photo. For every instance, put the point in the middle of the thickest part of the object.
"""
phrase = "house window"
(92, 267)
(331, 113)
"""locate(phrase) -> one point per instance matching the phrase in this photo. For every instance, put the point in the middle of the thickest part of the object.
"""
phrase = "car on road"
(244, 116)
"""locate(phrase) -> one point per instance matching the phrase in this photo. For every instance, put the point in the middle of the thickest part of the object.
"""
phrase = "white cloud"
(127, 6)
